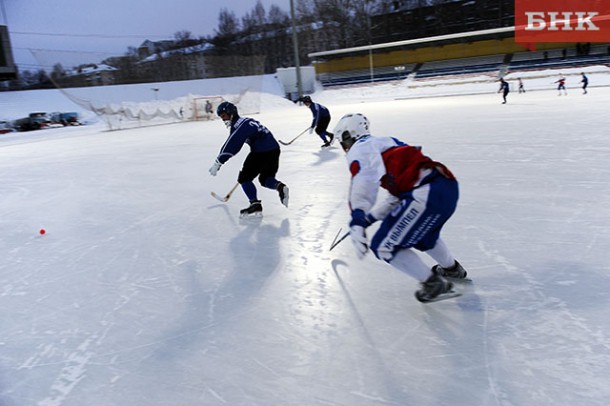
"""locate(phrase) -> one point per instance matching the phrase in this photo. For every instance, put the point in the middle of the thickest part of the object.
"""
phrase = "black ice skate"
(331, 138)
(456, 272)
(255, 209)
(282, 190)
(435, 288)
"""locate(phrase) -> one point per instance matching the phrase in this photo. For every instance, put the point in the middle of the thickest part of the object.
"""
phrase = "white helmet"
(350, 128)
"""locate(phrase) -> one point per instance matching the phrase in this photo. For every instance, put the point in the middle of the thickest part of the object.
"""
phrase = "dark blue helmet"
(227, 107)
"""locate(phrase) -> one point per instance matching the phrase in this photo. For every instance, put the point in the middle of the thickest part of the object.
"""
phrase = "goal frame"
(199, 113)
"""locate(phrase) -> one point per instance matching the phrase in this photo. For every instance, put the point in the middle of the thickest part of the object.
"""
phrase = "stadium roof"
(394, 44)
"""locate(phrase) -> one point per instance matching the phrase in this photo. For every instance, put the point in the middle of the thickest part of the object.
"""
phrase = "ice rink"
(147, 291)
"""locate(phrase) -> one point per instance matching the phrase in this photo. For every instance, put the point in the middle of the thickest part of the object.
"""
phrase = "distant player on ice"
(585, 83)
(561, 85)
(262, 161)
(521, 87)
(504, 88)
(423, 196)
(209, 110)
(321, 119)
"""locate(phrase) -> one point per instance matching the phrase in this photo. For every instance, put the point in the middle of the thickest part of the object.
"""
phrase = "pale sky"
(109, 27)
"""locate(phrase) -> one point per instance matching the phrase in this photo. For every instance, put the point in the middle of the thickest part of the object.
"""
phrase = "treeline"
(262, 40)
(321, 24)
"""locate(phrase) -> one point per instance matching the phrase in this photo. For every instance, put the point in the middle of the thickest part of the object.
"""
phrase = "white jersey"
(367, 168)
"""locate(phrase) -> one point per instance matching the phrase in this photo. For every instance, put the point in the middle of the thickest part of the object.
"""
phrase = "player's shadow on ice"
(393, 388)
(255, 249)
(225, 208)
(218, 296)
(327, 154)
(254, 255)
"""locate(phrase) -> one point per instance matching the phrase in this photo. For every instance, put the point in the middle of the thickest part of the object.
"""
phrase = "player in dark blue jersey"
(504, 88)
(262, 161)
(585, 83)
(321, 119)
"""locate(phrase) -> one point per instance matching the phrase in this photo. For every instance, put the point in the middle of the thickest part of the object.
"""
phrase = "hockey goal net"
(204, 108)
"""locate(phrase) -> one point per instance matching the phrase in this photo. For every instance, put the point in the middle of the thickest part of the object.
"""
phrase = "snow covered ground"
(147, 291)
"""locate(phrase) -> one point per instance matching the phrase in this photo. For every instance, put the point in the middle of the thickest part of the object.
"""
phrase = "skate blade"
(256, 215)
(458, 280)
(441, 297)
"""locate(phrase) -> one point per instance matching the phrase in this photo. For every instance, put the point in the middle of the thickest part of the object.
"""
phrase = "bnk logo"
(562, 21)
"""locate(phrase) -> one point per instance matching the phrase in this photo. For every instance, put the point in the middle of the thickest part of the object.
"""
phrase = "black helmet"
(306, 99)
(227, 107)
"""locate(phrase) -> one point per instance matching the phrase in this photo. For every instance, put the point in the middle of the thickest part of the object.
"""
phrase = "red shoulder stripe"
(354, 168)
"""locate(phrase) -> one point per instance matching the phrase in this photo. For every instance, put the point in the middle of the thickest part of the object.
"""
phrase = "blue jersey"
(247, 131)
(318, 112)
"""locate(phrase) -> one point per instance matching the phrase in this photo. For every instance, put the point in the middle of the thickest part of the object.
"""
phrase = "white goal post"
(204, 107)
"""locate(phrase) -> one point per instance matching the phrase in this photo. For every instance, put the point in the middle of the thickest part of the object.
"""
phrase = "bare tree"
(58, 73)
(183, 39)
(228, 24)
(361, 20)
(258, 16)
(277, 16)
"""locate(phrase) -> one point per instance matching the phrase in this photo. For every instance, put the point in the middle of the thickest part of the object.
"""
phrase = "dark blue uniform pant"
(417, 221)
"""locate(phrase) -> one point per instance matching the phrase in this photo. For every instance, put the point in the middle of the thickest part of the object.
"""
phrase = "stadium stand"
(481, 64)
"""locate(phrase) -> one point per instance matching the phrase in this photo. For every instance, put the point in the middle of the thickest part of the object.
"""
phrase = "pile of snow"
(252, 93)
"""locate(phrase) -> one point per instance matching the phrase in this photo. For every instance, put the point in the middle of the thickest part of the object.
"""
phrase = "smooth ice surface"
(147, 291)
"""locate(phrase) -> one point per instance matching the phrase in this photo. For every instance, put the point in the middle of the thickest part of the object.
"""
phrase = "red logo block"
(562, 21)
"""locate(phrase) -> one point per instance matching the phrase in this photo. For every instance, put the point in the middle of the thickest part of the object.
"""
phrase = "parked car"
(5, 127)
(35, 121)
(65, 119)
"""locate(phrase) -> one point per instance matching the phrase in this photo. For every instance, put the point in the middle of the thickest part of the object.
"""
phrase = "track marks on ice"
(540, 334)
(73, 371)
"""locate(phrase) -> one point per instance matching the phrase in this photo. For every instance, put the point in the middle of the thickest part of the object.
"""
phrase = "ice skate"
(456, 272)
(331, 138)
(435, 288)
(326, 144)
(282, 190)
(254, 210)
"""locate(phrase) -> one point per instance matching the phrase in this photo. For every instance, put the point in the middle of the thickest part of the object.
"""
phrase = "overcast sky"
(107, 27)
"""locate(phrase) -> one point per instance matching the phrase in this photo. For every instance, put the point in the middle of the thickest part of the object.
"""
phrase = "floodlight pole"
(371, 68)
(295, 42)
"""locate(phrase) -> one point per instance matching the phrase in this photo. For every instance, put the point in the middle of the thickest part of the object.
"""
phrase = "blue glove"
(359, 218)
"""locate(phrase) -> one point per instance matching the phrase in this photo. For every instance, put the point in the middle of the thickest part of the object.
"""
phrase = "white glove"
(359, 239)
(311, 130)
(215, 168)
